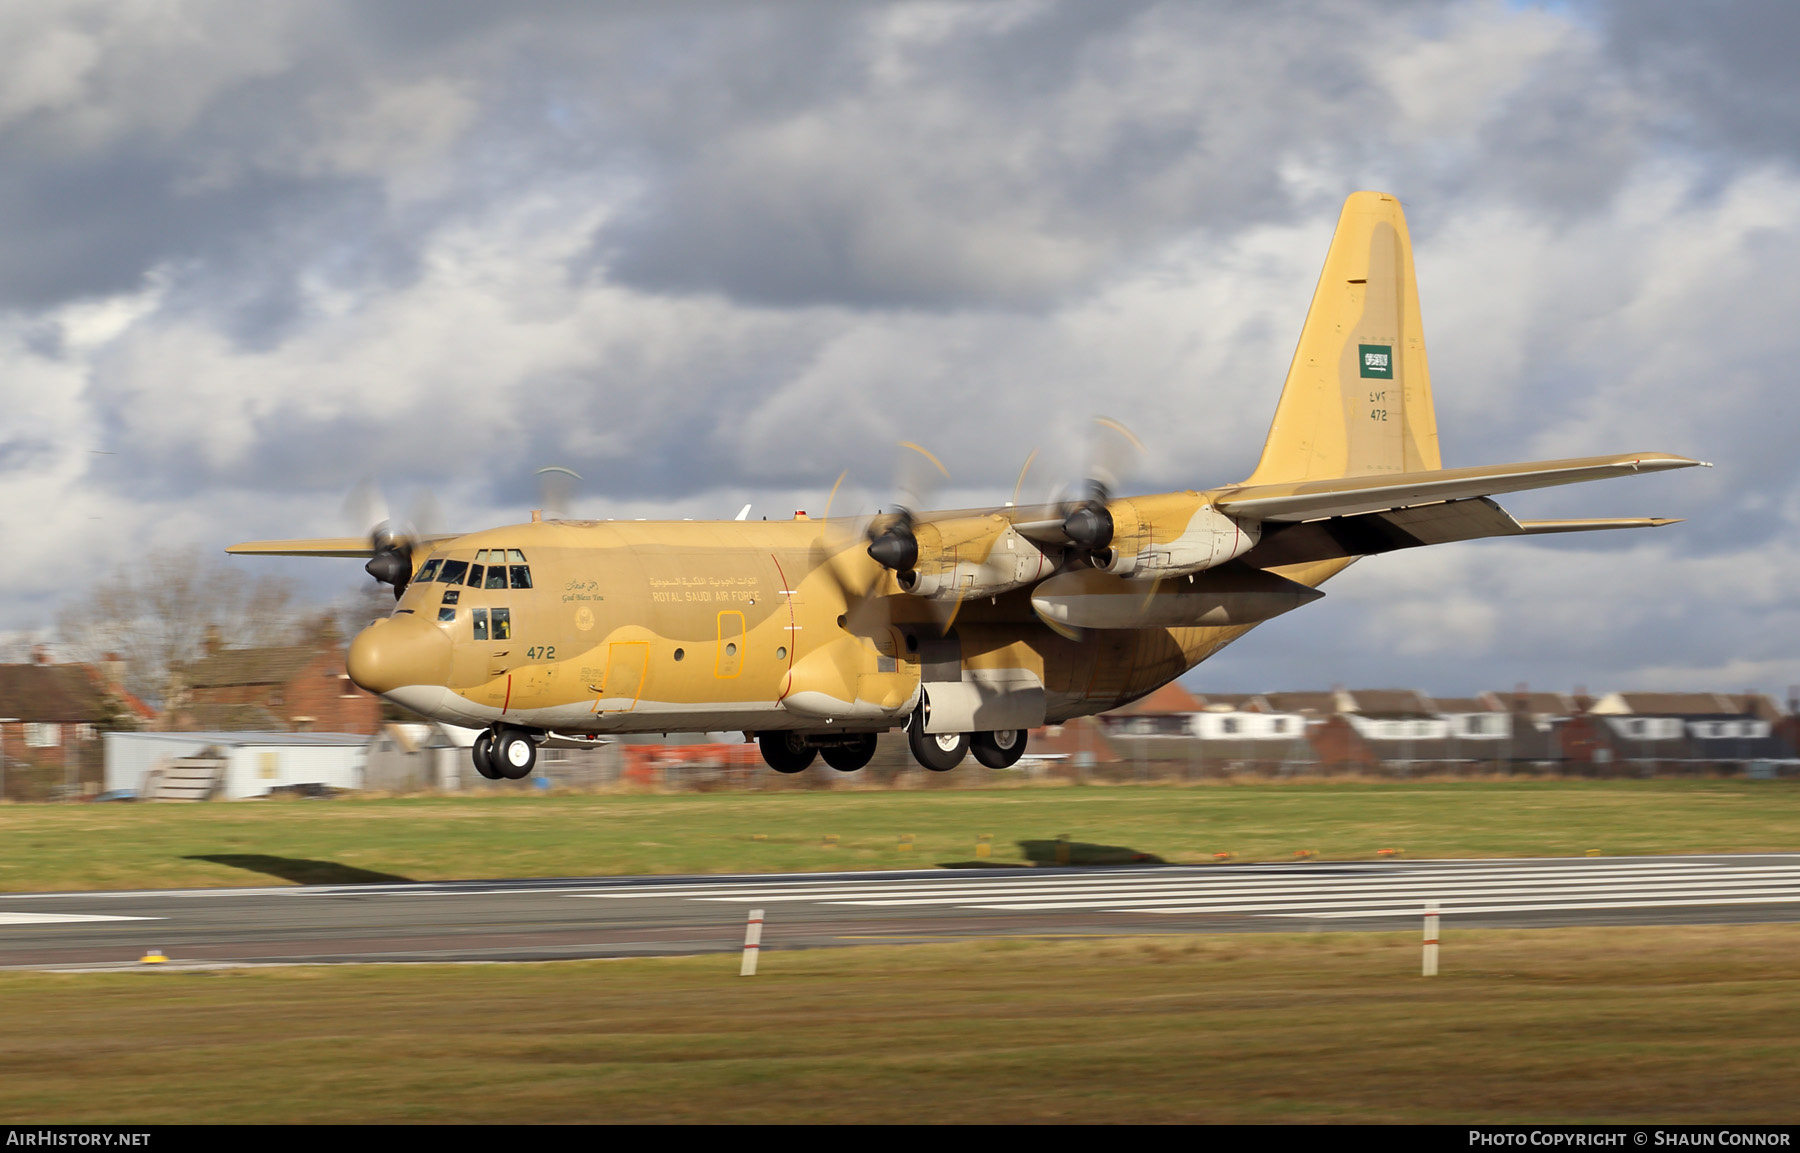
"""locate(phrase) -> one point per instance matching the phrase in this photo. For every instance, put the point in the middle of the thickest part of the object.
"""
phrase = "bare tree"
(157, 612)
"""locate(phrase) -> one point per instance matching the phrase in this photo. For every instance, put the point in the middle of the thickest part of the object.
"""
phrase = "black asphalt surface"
(553, 919)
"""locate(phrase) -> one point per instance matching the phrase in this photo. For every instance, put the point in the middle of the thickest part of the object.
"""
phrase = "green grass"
(138, 846)
(1691, 1024)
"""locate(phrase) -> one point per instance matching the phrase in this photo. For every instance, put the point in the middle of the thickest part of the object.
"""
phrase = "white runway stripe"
(1387, 889)
(62, 918)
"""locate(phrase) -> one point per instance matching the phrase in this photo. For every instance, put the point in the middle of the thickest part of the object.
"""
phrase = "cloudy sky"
(707, 254)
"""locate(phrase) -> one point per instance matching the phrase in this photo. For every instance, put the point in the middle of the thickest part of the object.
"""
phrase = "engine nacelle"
(973, 557)
(1169, 536)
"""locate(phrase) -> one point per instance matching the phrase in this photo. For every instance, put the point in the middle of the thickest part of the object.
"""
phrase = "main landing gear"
(790, 752)
(941, 752)
(504, 753)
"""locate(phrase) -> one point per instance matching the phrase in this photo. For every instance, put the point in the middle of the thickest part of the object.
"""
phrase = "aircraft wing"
(328, 546)
(1381, 492)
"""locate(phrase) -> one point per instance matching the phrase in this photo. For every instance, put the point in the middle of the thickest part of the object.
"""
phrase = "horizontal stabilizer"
(1595, 524)
(1351, 496)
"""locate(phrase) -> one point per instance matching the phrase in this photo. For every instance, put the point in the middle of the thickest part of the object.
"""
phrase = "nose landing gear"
(504, 754)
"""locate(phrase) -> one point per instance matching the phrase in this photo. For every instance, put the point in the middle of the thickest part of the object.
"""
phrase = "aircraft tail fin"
(1358, 396)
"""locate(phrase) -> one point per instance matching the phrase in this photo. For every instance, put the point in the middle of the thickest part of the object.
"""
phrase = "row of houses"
(242, 709)
(1405, 730)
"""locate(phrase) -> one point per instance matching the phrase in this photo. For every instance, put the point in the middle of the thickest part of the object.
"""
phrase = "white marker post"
(1431, 938)
(752, 944)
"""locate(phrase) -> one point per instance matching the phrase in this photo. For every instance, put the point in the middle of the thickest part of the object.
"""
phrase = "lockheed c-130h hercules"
(965, 627)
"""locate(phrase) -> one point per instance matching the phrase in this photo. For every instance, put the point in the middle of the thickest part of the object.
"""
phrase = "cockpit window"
(453, 571)
(429, 572)
(521, 576)
(446, 615)
(514, 556)
(496, 576)
(475, 576)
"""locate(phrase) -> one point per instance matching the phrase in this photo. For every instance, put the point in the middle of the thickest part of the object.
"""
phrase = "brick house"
(300, 688)
(51, 717)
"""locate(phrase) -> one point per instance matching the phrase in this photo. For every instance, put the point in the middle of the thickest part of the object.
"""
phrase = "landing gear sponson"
(504, 753)
(792, 752)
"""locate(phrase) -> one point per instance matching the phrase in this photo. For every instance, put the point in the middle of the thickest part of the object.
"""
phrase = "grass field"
(149, 846)
(1687, 1024)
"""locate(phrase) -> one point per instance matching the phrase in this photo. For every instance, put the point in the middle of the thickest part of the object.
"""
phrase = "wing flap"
(1354, 496)
(1379, 532)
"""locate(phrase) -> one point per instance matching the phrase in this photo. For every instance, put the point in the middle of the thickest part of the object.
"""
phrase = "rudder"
(1358, 394)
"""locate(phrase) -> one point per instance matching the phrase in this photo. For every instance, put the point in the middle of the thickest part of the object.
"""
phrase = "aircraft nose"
(400, 651)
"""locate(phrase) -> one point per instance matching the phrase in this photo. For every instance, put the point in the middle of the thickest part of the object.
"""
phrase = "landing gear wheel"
(482, 753)
(786, 752)
(851, 757)
(939, 752)
(1000, 749)
(514, 755)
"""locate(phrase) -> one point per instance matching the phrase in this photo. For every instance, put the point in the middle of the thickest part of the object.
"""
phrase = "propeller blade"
(1020, 483)
(556, 491)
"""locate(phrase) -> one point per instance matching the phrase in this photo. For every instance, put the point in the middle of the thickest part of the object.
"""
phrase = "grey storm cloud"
(713, 252)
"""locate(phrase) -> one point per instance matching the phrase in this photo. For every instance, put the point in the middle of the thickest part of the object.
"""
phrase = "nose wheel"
(506, 754)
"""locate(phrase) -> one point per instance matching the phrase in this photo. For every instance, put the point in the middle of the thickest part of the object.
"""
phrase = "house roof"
(1169, 699)
(1392, 703)
(1463, 705)
(1535, 704)
(1234, 703)
(269, 666)
(1676, 704)
(59, 694)
(1302, 702)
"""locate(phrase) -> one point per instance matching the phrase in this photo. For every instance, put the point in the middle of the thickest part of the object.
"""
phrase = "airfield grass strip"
(107, 846)
(1673, 1023)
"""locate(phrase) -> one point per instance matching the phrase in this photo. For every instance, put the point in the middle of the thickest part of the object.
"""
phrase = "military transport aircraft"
(965, 627)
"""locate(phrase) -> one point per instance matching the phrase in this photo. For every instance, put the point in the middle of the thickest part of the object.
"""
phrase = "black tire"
(1000, 749)
(786, 752)
(939, 752)
(851, 757)
(482, 753)
(514, 755)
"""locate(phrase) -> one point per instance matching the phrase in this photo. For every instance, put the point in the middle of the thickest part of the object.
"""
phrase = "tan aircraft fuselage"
(637, 626)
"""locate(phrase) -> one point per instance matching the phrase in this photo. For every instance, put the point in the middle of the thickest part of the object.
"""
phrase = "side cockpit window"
(429, 572)
(453, 572)
(474, 576)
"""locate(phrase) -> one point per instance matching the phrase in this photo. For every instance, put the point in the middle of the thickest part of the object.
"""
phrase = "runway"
(553, 919)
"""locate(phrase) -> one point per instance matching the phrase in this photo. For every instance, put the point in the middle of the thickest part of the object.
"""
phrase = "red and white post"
(1431, 938)
(752, 943)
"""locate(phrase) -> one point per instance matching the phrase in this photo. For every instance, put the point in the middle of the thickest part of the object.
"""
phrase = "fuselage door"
(625, 663)
(730, 660)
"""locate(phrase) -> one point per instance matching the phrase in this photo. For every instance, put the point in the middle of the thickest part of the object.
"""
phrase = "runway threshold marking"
(1303, 891)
